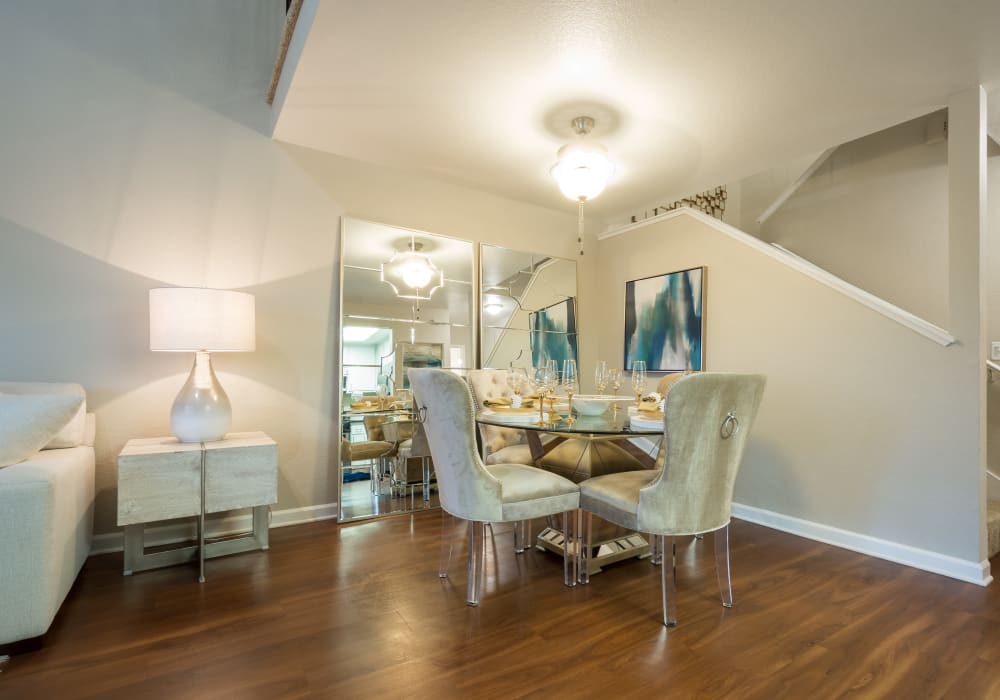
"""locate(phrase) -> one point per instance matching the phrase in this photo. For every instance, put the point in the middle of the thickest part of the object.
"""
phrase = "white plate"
(512, 417)
(646, 423)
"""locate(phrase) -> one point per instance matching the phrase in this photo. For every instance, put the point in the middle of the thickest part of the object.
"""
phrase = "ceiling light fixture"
(411, 274)
(583, 170)
(493, 307)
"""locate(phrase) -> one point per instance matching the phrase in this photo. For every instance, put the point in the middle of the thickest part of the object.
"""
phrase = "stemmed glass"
(571, 385)
(601, 376)
(615, 380)
(638, 379)
(545, 382)
(553, 384)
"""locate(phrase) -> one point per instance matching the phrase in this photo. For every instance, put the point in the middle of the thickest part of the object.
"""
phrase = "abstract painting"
(419, 355)
(664, 323)
(553, 333)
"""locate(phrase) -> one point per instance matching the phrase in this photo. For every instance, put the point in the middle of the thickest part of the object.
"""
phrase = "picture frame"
(418, 355)
(553, 333)
(665, 322)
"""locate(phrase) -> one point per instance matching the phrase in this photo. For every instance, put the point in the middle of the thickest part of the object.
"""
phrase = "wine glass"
(570, 384)
(601, 376)
(544, 381)
(615, 380)
(638, 379)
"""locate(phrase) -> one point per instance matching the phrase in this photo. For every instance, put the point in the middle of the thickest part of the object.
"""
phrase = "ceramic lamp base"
(201, 411)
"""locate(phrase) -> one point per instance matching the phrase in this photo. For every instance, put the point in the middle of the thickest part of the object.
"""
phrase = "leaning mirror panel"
(529, 308)
(406, 301)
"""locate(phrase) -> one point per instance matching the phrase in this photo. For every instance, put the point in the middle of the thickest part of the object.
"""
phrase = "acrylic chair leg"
(655, 550)
(448, 526)
(427, 477)
(722, 566)
(522, 536)
(570, 546)
(668, 581)
(700, 536)
(477, 555)
(586, 532)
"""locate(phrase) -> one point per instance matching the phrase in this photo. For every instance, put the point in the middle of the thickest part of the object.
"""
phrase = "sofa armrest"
(48, 506)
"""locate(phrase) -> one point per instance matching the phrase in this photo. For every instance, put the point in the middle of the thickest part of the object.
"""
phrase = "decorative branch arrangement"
(711, 202)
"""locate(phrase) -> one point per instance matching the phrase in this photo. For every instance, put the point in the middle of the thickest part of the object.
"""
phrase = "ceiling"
(686, 94)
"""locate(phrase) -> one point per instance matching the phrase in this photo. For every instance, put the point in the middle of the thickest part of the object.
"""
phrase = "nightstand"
(161, 478)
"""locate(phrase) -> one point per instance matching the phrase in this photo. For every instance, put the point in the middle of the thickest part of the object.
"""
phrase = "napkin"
(505, 402)
(651, 403)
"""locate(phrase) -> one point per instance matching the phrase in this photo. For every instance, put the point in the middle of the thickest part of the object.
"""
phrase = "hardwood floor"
(358, 611)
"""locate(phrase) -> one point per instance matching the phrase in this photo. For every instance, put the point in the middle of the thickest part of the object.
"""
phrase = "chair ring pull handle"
(421, 414)
(730, 426)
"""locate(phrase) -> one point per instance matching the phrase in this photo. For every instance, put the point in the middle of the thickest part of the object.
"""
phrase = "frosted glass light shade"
(189, 319)
(412, 275)
(583, 171)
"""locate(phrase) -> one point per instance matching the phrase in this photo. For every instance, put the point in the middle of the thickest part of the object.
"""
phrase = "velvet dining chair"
(478, 493)
(707, 419)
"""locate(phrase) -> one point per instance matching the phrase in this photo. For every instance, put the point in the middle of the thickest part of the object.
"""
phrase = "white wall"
(133, 155)
(863, 424)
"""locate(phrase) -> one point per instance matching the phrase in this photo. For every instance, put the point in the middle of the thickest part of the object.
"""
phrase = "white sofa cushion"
(28, 422)
(74, 433)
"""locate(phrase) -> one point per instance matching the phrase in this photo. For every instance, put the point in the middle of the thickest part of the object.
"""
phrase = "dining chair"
(707, 419)
(478, 493)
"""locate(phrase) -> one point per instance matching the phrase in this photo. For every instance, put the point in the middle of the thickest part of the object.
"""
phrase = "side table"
(161, 478)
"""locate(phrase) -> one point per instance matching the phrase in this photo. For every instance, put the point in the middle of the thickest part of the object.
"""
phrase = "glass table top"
(610, 423)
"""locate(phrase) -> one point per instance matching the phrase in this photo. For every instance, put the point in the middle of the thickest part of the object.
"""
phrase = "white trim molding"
(789, 259)
(228, 525)
(961, 569)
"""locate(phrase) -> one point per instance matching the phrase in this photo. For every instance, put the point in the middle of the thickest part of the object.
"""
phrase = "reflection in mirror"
(406, 301)
(529, 310)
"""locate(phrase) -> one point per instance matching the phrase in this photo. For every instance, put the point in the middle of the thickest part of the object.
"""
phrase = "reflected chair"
(371, 451)
(482, 494)
(707, 418)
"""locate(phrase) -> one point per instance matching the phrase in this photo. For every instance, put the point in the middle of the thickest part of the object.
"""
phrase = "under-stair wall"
(867, 435)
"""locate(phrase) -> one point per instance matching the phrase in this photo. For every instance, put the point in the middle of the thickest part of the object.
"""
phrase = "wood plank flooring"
(357, 611)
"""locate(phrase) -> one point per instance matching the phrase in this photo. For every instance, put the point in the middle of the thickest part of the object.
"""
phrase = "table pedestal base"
(603, 551)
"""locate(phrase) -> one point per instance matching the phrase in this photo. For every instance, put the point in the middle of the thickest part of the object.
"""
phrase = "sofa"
(47, 503)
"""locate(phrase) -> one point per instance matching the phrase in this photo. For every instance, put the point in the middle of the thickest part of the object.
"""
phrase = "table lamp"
(202, 321)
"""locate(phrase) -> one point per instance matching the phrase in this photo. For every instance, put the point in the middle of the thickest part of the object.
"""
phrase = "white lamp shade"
(189, 319)
(583, 171)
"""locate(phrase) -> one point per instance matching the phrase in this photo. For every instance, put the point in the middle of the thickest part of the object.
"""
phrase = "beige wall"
(134, 155)
(874, 214)
(862, 427)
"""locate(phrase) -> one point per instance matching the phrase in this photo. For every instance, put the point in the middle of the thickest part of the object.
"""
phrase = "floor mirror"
(407, 300)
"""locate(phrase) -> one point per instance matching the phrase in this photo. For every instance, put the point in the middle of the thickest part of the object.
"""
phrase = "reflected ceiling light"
(411, 274)
(583, 170)
(493, 307)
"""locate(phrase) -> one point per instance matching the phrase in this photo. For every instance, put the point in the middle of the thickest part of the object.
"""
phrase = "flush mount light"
(411, 274)
(583, 169)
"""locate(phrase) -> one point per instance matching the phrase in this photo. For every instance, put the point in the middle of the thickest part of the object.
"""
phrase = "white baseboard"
(229, 525)
(961, 569)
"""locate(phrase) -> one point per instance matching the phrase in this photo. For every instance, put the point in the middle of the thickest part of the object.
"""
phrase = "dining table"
(622, 427)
